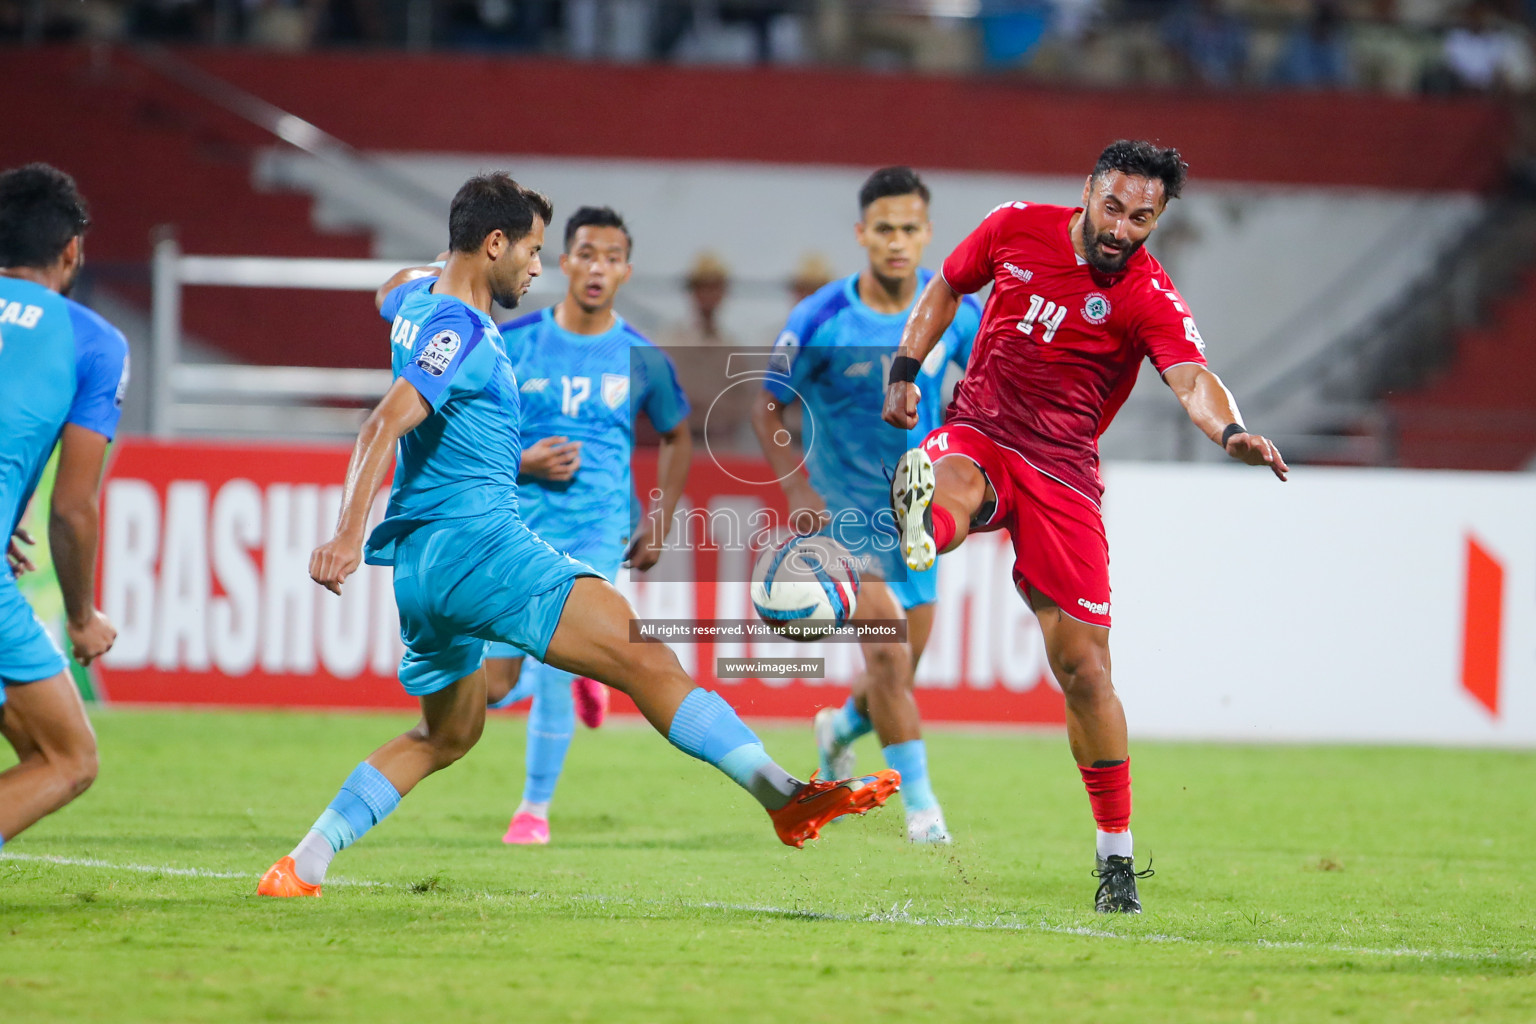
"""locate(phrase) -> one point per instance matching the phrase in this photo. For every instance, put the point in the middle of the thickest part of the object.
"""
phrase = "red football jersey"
(1060, 343)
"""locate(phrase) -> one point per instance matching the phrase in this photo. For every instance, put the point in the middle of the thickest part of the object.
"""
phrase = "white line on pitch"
(899, 914)
(151, 869)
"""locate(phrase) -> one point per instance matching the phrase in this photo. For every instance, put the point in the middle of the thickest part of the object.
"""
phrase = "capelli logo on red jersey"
(1022, 275)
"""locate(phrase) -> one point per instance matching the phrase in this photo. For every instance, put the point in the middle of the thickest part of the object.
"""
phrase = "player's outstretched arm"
(1213, 409)
(672, 462)
(73, 523)
(807, 509)
(929, 319)
(401, 411)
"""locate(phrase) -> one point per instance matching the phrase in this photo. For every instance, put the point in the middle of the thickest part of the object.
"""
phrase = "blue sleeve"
(967, 323)
(664, 401)
(450, 357)
(400, 293)
(790, 363)
(101, 373)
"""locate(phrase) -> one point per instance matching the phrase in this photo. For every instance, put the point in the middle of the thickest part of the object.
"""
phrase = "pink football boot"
(527, 830)
(591, 701)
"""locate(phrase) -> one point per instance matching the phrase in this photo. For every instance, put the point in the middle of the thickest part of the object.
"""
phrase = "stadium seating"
(1477, 413)
(149, 153)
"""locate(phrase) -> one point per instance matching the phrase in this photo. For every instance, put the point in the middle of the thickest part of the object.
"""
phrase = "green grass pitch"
(1293, 884)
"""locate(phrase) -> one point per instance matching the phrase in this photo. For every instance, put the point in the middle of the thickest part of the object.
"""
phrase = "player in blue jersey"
(63, 371)
(838, 344)
(584, 374)
(468, 571)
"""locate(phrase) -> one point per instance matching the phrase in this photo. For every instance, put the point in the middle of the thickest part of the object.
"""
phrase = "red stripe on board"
(1482, 636)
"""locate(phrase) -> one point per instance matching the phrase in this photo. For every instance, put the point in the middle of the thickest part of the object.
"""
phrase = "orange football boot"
(282, 879)
(819, 802)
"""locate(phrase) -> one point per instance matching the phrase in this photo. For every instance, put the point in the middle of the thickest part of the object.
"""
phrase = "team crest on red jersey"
(1096, 308)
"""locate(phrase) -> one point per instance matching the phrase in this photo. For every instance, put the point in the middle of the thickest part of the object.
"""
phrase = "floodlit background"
(1355, 241)
(1330, 683)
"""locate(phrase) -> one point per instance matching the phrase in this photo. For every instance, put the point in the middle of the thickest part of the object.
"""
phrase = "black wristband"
(905, 368)
(1232, 428)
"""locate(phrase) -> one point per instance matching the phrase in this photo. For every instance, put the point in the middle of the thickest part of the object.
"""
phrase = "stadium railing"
(230, 398)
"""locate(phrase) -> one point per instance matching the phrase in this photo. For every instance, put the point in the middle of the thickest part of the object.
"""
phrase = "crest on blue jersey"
(439, 352)
(615, 389)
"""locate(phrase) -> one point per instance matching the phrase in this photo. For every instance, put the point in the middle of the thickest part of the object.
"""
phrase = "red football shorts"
(1059, 547)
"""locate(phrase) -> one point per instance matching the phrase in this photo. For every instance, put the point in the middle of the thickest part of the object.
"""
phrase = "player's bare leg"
(501, 676)
(934, 503)
(593, 640)
(452, 720)
(46, 723)
(886, 682)
(1079, 656)
(919, 629)
(883, 702)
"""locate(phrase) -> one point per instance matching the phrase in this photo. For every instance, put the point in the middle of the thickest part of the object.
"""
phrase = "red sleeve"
(1166, 328)
(969, 268)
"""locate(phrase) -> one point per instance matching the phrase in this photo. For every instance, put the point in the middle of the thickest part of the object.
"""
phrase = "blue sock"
(522, 690)
(911, 759)
(551, 724)
(707, 728)
(365, 799)
(848, 724)
(2, 842)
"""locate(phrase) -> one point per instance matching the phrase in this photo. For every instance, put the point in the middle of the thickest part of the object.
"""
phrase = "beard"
(1094, 253)
(69, 282)
(506, 300)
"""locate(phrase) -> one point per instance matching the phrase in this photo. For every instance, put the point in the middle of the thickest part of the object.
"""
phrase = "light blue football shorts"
(876, 547)
(27, 652)
(599, 552)
(462, 583)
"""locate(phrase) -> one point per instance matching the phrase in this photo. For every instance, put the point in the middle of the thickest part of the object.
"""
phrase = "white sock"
(311, 858)
(537, 810)
(1114, 844)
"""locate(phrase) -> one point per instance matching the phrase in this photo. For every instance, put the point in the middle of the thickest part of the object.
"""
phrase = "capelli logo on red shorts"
(1096, 607)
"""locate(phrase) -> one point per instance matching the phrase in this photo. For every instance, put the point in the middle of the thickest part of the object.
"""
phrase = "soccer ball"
(805, 587)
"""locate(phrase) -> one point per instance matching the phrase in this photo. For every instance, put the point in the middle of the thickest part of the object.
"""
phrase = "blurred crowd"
(1397, 46)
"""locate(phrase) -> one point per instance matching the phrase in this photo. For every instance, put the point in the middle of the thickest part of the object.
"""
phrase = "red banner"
(204, 561)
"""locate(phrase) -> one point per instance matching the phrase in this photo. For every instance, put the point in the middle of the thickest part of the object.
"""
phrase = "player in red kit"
(1076, 305)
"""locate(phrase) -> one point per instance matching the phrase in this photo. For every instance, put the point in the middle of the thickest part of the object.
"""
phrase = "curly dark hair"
(40, 211)
(1145, 160)
(490, 202)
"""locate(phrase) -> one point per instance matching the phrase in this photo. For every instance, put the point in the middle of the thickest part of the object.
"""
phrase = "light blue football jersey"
(839, 353)
(462, 460)
(59, 363)
(588, 388)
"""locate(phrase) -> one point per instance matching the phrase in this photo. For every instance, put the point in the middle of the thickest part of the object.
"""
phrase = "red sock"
(1109, 794)
(943, 526)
